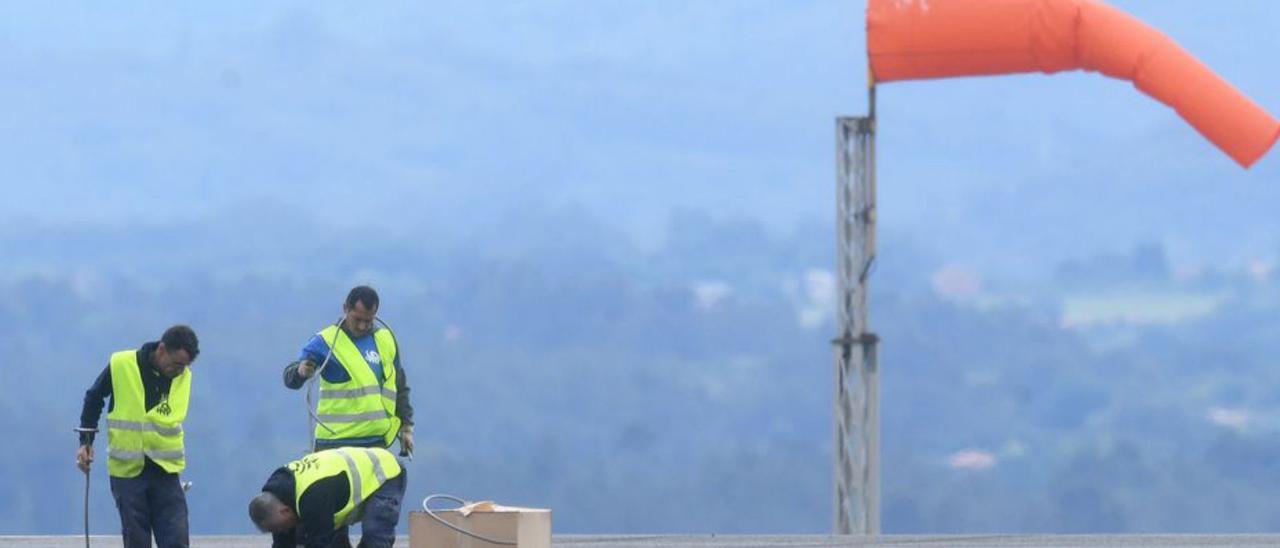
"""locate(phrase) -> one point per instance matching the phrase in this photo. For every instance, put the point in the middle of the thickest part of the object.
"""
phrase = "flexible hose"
(427, 508)
(313, 418)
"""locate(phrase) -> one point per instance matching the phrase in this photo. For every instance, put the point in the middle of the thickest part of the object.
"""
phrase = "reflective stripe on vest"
(144, 427)
(366, 470)
(361, 407)
(137, 455)
(358, 392)
(358, 417)
(134, 433)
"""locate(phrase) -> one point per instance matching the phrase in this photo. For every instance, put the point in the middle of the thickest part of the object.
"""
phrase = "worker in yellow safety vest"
(364, 395)
(150, 391)
(312, 500)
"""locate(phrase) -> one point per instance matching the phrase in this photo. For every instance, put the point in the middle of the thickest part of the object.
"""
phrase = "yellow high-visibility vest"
(133, 432)
(359, 407)
(367, 468)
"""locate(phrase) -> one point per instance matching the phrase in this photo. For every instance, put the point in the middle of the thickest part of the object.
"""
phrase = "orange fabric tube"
(924, 39)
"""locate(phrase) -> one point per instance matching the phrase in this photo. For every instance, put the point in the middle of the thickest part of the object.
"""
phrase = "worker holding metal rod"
(150, 389)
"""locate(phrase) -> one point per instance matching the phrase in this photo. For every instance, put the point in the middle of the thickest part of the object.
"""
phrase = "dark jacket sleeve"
(94, 399)
(318, 505)
(403, 409)
(292, 379)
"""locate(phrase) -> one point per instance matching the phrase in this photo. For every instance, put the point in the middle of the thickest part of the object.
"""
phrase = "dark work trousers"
(381, 513)
(152, 502)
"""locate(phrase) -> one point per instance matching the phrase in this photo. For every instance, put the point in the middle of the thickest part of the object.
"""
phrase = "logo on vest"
(163, 408)
(302, 465)
(372, 357)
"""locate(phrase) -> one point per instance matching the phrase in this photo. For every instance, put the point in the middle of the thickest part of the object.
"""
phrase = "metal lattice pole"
(857, 387)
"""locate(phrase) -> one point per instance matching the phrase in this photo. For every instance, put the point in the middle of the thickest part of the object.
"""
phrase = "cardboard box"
(526, 527)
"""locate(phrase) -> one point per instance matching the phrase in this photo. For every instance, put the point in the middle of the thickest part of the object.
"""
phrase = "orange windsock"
(922, 39)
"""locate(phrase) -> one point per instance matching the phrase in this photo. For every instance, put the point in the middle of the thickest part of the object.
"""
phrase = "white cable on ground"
(430, 512)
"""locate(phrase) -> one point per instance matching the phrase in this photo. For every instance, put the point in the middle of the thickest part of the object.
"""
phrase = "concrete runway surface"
(751, 541)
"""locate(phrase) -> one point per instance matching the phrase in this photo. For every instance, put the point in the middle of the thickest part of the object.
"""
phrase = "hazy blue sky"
(450, 113)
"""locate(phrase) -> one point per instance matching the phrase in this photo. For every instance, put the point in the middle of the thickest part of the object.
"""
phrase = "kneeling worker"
(310, 499)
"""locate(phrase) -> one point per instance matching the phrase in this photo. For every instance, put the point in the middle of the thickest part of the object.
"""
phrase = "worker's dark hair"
(181, 337)
(261, 507)
(363, 294)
